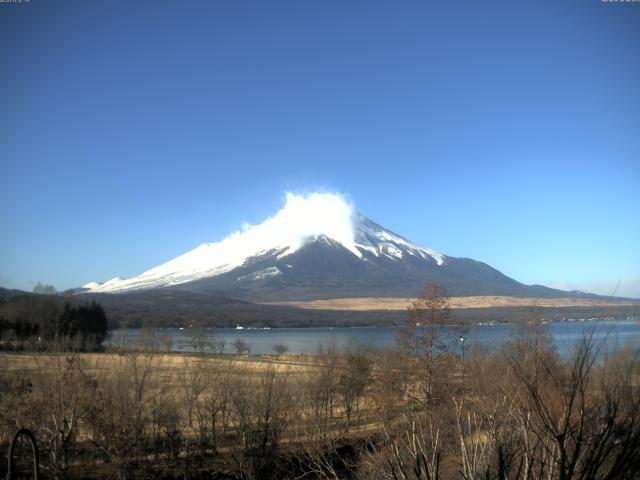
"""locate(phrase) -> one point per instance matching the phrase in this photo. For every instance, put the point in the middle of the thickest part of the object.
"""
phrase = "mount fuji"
(318, 247)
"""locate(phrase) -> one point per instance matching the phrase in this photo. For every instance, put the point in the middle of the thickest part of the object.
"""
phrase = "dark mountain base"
(323, 269)
(165, 308)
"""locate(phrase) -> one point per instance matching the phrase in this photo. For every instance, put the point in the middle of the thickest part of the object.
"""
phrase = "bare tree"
(487, 438)
(123, 415)
(280, 348)
(197, 338)
(389, 385)
(586, 429)
(261, 416)
(65, 391)
(531, 343)
(241, 346)
(217, 343)
(321, 387)
(44, 289)
(354, 375)
(420, 337)
(542, 418)
(192, 383)
(167, 342)
(214, 399)
(414, 451)
(322, 457)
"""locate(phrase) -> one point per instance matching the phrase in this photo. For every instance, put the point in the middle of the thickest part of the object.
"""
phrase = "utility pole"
(462, 344)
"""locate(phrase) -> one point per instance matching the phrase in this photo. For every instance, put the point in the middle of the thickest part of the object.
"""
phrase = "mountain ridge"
(319, 247)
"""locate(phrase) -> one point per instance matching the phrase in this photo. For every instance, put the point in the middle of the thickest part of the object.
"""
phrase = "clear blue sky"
(508, 132)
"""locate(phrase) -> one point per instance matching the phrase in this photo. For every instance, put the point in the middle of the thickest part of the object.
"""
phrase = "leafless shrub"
(123, 418)
(167, 342)
(241, 346)
(320, 387)
(280, 348)
(213, 403)
(519, 413)
(389, 385)
(65, 400)
(197, 337)
(543, 417)
(412, 451)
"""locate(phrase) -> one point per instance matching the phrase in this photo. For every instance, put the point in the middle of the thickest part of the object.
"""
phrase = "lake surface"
(616, 333)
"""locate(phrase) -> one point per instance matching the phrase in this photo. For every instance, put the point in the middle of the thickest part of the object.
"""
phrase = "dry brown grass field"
(163, 363)
(522, 412)
(397, 304)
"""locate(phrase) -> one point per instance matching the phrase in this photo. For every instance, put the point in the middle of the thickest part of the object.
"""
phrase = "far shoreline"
(462, 302)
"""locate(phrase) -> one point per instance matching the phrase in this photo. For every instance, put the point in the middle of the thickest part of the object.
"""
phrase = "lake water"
(616, 333)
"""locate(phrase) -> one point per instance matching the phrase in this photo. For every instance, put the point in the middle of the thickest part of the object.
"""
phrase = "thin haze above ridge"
(302, 219)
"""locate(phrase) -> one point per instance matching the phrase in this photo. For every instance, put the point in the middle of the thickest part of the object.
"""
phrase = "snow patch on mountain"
(261, 274)
(372, 237)
(303, 218)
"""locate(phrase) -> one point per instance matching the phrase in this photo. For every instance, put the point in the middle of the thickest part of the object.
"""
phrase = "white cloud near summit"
(302, 217)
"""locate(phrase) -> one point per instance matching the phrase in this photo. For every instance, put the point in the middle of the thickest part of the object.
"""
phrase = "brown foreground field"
(415, 412)
(397, 304)
(165, 364)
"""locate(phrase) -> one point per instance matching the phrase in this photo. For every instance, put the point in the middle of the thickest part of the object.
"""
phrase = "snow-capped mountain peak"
(303, 219)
